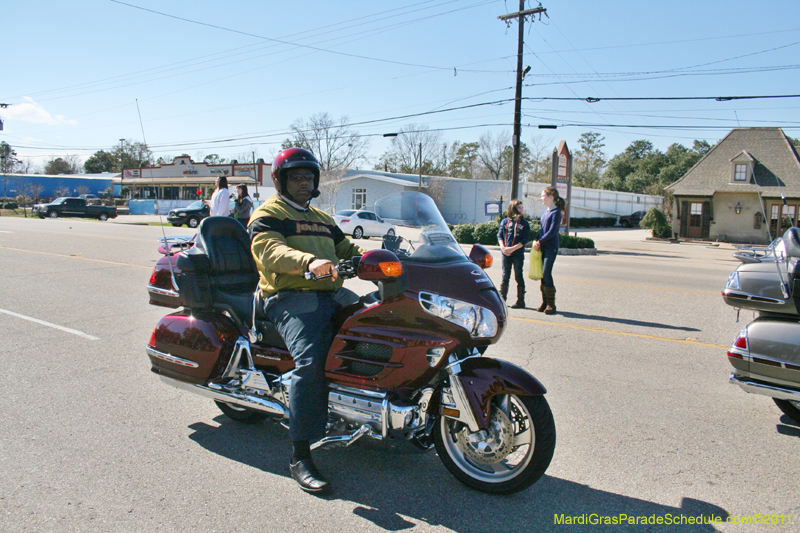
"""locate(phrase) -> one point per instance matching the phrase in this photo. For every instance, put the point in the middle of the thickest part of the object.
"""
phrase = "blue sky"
(230, 77)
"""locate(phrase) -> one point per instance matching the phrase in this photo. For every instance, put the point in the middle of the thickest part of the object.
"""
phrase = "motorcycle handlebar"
(347, 268)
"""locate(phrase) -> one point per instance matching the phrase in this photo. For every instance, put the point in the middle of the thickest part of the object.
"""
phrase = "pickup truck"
(74, 207)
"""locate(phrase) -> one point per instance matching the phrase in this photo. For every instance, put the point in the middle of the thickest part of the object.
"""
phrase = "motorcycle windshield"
(422, 235)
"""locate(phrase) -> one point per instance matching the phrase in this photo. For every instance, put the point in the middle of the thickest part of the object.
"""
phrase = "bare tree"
(61, 189)
(23, 184)
(329, 184)
(34, 191)
(404, 153)
(334, 143)
(500, 192)
(26, 166)
(541, 155)
(492, 153)
(436, 188)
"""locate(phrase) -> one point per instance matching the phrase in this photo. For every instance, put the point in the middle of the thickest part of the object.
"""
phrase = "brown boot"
(544, 298)
(520, 303)
(504, 291)
(550, 293)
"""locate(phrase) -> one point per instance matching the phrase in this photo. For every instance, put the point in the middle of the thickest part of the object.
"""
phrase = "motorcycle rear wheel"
(240, 414)
(510, 456)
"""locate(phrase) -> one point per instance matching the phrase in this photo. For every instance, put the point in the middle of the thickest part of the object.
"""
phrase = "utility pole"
(419, 187)
(515, 140)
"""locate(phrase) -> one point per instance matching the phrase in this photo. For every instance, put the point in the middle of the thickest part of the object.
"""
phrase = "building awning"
(183, 181)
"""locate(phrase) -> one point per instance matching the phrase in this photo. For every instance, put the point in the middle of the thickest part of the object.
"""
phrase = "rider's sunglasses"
(301, 177)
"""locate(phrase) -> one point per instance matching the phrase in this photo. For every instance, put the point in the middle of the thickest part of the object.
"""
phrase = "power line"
(592, 99)
(289, 43)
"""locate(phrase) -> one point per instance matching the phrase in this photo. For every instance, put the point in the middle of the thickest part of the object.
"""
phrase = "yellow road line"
(639, 335)
(87, 235)
(76, 257)
(638, 286)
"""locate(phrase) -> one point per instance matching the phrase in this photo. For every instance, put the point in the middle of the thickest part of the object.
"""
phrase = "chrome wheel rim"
(499, 453)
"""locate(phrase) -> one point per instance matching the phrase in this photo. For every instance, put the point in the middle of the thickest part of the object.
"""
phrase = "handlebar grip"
(311, 277)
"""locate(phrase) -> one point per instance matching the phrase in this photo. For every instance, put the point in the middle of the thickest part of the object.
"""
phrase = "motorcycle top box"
(406, 362)
(768, 281)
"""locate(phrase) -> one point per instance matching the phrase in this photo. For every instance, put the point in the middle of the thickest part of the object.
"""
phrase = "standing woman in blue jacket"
(513, 236)
(547, 242)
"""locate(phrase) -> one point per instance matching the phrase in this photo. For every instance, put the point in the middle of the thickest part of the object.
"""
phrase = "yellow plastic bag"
(535, 271)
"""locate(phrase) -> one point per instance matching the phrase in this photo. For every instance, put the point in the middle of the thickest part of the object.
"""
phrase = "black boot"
(520, 303)
(544, 298)
(504, 291)
(304, 471)
(550, 293)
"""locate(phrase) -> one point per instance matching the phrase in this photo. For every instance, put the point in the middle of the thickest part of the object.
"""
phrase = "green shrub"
(486, 233)
(656, 220)
(10, 205)
(662, 232)
(571, 242)
(464, 233)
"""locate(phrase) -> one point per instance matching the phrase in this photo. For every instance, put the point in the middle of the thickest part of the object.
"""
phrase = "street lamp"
(121, 167)
(419, 166)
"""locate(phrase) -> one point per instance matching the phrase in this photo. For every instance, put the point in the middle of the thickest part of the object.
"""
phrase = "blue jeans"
(548, 258)
(303, 319)
(514, 260)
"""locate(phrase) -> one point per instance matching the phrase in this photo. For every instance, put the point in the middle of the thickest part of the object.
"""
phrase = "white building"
(463, 201)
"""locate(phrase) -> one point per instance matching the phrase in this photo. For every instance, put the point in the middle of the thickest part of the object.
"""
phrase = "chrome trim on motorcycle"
(753, 298)
(343, 441)
(257, 403)
(235, 366)
(765, 390)
(164, 292)
(170, 358)
(459, 395)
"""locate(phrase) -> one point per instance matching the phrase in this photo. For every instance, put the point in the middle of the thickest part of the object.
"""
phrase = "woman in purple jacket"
(547, 242)
(513, 236)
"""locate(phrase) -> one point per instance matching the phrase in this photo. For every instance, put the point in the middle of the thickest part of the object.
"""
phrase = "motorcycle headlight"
(479, 321)
(733, 281)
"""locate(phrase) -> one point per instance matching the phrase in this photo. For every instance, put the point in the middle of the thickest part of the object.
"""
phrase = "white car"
(362, 223)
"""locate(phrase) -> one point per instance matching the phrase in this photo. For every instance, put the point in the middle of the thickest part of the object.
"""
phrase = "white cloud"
(30, 111)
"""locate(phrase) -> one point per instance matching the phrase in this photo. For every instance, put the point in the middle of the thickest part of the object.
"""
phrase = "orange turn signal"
(393, 269)
(488, 261)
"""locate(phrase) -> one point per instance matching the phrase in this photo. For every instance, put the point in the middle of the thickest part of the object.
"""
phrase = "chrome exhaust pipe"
(257, 403)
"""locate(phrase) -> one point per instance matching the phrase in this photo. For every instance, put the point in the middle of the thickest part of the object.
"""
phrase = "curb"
(577, 251)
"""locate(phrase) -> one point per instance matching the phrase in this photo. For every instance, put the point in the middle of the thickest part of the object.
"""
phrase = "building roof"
(776, 166)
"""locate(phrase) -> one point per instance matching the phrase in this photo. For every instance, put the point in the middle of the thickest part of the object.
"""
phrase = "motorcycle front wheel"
(507, 457)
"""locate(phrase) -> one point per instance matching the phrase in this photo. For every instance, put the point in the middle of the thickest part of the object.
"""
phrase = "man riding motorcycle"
(289, 238)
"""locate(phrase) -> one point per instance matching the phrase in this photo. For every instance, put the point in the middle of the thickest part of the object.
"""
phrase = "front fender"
(483, 378)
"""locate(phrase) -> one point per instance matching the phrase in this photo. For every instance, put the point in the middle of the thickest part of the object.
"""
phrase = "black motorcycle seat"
(791, 240)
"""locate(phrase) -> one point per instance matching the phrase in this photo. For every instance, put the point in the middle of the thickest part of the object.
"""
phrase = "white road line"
(48, 324)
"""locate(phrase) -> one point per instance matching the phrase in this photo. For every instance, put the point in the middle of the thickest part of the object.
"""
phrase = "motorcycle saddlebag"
(193, 279)
(191, 346)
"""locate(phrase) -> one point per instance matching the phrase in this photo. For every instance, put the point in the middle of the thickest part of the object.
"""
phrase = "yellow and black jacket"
(284, 239)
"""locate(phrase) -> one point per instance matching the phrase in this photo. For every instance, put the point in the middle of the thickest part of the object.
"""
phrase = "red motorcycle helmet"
(293, 158)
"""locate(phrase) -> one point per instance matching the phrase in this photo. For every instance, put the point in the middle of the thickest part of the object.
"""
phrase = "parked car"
(360, 223)
(632, 220)
(190, 215)
(74, 207)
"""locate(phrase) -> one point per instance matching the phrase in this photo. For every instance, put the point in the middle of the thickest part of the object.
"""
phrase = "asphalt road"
(634, 364)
